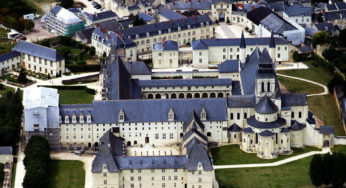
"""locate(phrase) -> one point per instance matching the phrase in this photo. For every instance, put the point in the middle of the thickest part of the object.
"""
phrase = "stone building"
(9, 62)
(165, 54)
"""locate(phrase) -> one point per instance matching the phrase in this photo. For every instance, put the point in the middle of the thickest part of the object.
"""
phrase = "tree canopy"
(67, 3)
(320, 37)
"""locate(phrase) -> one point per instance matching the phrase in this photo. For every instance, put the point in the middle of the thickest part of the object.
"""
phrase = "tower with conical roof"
(242, 55)
(272, 48)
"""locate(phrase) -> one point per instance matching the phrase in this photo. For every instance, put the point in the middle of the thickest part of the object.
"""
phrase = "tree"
(342, 38)
(138, 21)
(92, 51)
(22, 77)
(64, 51)
(315, 172)
(320, 37)
(67, 3)
(2, 174)
(339, 168)
(327, 169)
(29, 24)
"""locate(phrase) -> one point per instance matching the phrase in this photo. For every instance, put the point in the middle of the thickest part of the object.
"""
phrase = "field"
(75, 97)
(232, 154)
(298, 86)
(66, 174)
(293, 174)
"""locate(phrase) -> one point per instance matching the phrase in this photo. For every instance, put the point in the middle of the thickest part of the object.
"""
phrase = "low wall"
(340, 140)
(86, 79)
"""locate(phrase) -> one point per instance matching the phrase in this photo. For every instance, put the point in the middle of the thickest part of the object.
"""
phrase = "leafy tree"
(22, 77)
(92, 51)
(2, 174)
(67, 3)
(138, 21)
(29, 24)
(342, 38)
(327, 169)
(64, 51)
(315, 172)
(339, 169)
(320, 37)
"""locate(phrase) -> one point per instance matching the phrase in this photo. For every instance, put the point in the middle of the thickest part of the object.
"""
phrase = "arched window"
(181, 96)
(173, 96)
(189, 96)
(197, 95)
(158, 96)
(212, 95)
(204, 95)
(220, 95)
(128, 143)
(208, 133)
(135, 142)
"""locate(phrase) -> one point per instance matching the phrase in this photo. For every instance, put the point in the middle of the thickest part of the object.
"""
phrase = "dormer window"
(159, 32)
(74, 118)
(105, 167)
(67, 119)
(89, 118)
(121, 116)
(81, 118)
(188, 26)
(148, 34)
(202, 24)
(203, 114)
(169, 30)
(137, 36)
(207, 23)
(179, 28)
(171, 115)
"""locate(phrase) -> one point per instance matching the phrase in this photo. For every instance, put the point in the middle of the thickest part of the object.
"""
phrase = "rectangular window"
(156, 136)
(164, 136)
(292, 115)
(231, 116)
(171, 135)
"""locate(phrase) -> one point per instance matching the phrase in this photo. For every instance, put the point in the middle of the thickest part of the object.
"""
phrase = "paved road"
(325, 92)
(20, 171)
(324, 151)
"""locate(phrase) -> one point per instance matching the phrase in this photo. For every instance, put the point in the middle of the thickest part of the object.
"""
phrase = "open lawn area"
(75, 97)
(293, 174)
(232, 154)
(64, 174)
(298, 86)
(315, 73)
(5, 44)
(339, 148)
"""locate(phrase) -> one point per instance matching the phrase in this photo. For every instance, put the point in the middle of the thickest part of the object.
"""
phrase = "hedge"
(87, 90)
(83, 68)
(324, 63)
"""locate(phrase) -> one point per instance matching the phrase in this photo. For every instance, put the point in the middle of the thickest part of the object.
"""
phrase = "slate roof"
(266, 133)
(266, 106)
(340, 5)
(257, 15)
(117, 145)
(272, 42)
(266, 125)
(326, 129)
(193, 131)
(185, 82)
(205, 43)
(109, 25)
(276, 24)
(293, 100)
(311, 118)
(295, 125)
(234, 128)
(85, 34)
(6, 150)
(242, 101)
(236, 88)
(334, 15)
(9, 55)
(171, 15)
(156, 110)
(242, 41)
(102, 16)
(104, 157)
(229, 66)
(248, 73)
(110, 37)
(38, 51)
(145, 17)
(151, 162)
(297, 10)
(324, 26)
(331, 7)
(168, 45)
(137, 68)
(153, 29)
(284, 130)
(247, 130)
(198, 154)
(193, 5)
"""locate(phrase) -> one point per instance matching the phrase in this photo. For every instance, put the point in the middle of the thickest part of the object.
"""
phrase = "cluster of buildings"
(34, 58)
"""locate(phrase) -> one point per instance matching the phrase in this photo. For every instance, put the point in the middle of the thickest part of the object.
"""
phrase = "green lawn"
(293, 174)
(64, 174)
(324, 108)
(5, 44)
(315, 73)
(232, 154)
(75, 97)
(298, 86)
(339, 148)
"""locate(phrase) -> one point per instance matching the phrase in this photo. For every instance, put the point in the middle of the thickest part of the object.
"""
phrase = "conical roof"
(272, 42)
(266, 106)
(242, 41)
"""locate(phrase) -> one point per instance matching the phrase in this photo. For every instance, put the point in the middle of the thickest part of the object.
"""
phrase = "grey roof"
(297, 10)
(311, 118)
(310, 31)
(242, 41)
(324, 26)
(191, 5)
(236, 88)
(334, 15)
(198, 154)
(145, 17)
(277, 7)
(205, 43)
(257, 15)
(104, 157)
(276, 24)
(185, 82)
(166, 45)
(266, 106)
(326, 129)
(284, 130)
(102, 15)
(193, 119)
(109, 25)
(247, 130)
(9, 55)
(153, 29)
(293, 100)
(151, 162)
(117, 145)
(228, 66)
(242, 101)
(56, 9)
(171, 15)
(266, 133)
(295, 125)
(340, 5)
(234, 128)
(137, 68)
(38, 51)
(272, 42)
(6, 150)
(248, 73)
(266, 125)
(331, 7)
(86, 33)
(193, 131)
(156, 110)
(110, 38)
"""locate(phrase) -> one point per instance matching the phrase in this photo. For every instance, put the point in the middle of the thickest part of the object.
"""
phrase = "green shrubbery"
(87, 90)
(36, 163)
(2, 174)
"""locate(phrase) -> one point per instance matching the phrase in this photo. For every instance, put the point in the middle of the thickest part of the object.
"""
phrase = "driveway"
(38, 33)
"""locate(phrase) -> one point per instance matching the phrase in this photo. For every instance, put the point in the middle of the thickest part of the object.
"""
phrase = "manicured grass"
(315, 73)
(66, 174)
(75, 97)
(298, 86)
(293, 174)
(339, 148)
(232, 154)
(324, 108)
